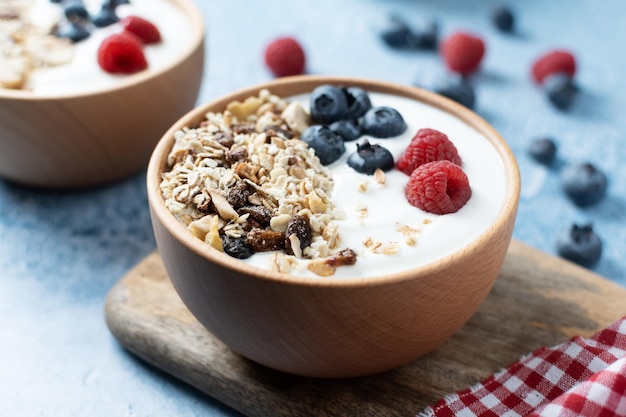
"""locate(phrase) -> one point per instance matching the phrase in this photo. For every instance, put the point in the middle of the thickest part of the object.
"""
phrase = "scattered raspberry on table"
(285, 56)
(553, 62)
(462, 52)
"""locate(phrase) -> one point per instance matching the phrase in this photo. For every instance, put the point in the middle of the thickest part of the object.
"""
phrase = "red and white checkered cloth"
(581, 377)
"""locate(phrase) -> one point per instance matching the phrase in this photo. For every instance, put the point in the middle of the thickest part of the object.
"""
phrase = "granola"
(25, 47)
(243, 179)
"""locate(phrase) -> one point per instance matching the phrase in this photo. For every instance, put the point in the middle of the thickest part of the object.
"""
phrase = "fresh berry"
(368, 158)
(328, 104)
(503, 18)
(580, 244)
(396, 33)
(439, 187)
(285, 56)
(74, 31)
(383, 122)
(560, 90)
(553, 62)
(462, 52)
(584, 184)
(349, 130)
(237, 247)
(75, 11)
(327, 144)
(105, 17)
(122, 53)
(543, 150)
(142, 28)
(428, 145)
(112, 4)
(459, 90)
(358, 102)
(427, 37)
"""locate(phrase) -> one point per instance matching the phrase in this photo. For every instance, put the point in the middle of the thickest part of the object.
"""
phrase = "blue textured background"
(60, 252)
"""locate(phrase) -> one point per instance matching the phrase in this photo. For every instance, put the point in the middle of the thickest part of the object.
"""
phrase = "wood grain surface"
(538, 300)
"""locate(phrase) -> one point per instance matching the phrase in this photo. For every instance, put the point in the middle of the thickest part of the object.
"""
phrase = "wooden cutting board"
(538, 300)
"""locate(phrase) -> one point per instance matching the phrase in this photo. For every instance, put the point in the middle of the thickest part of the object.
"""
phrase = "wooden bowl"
(332, 327)
(92, 138)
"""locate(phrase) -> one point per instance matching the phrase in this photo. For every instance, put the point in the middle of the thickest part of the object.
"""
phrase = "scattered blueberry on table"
(584, 184)
(580, 244)
(543, 150)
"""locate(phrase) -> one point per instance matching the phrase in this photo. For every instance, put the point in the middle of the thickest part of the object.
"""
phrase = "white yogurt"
(84, 74)
(387, 207)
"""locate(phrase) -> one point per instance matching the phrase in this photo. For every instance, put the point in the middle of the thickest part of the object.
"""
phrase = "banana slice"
(49, 51)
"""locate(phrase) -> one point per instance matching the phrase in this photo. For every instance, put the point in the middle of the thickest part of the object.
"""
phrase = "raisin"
(278, 131)
(238, 154)
(244, 128)
(259, 216)
(300, 227)
(237, 247)
(261, 240)
(342, 258)
(225, 139)
(238, 195)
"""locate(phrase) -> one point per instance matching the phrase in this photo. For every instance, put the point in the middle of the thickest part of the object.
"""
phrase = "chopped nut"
(223, 207)
(315, 203)
(321, 268)
(296, 117)
(242, 110)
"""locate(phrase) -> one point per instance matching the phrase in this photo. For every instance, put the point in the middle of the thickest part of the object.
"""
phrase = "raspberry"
(122, 53)
(142, 28)
(552, 62)
(284, 56)
(462, 52)
(439, 187)
(428, 145)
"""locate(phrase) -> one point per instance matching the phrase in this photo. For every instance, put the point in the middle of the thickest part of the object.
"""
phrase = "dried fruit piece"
(285, 56)
(428, 145)
(261, 240)
(122, 53)
(298, 235)
(439, 187)
(463, 52)
(237, 247)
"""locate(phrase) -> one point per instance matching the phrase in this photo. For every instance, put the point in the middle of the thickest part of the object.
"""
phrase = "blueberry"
(349, 130)
(427, 37)
(74, 31)
(327, 144)
(105, 17)
(237, 247)
(459, 90)
(580, 244)
(542, 150)
(112, 4)
(383, 122)
(560, 90)
(368, 158)
(503, 18)
(396, 33)
(76, 11)
(328, 104)
(358, 102)
(584, 184)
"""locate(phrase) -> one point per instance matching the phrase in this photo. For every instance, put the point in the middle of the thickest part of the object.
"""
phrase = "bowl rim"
(305, 83)
(193, 13)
